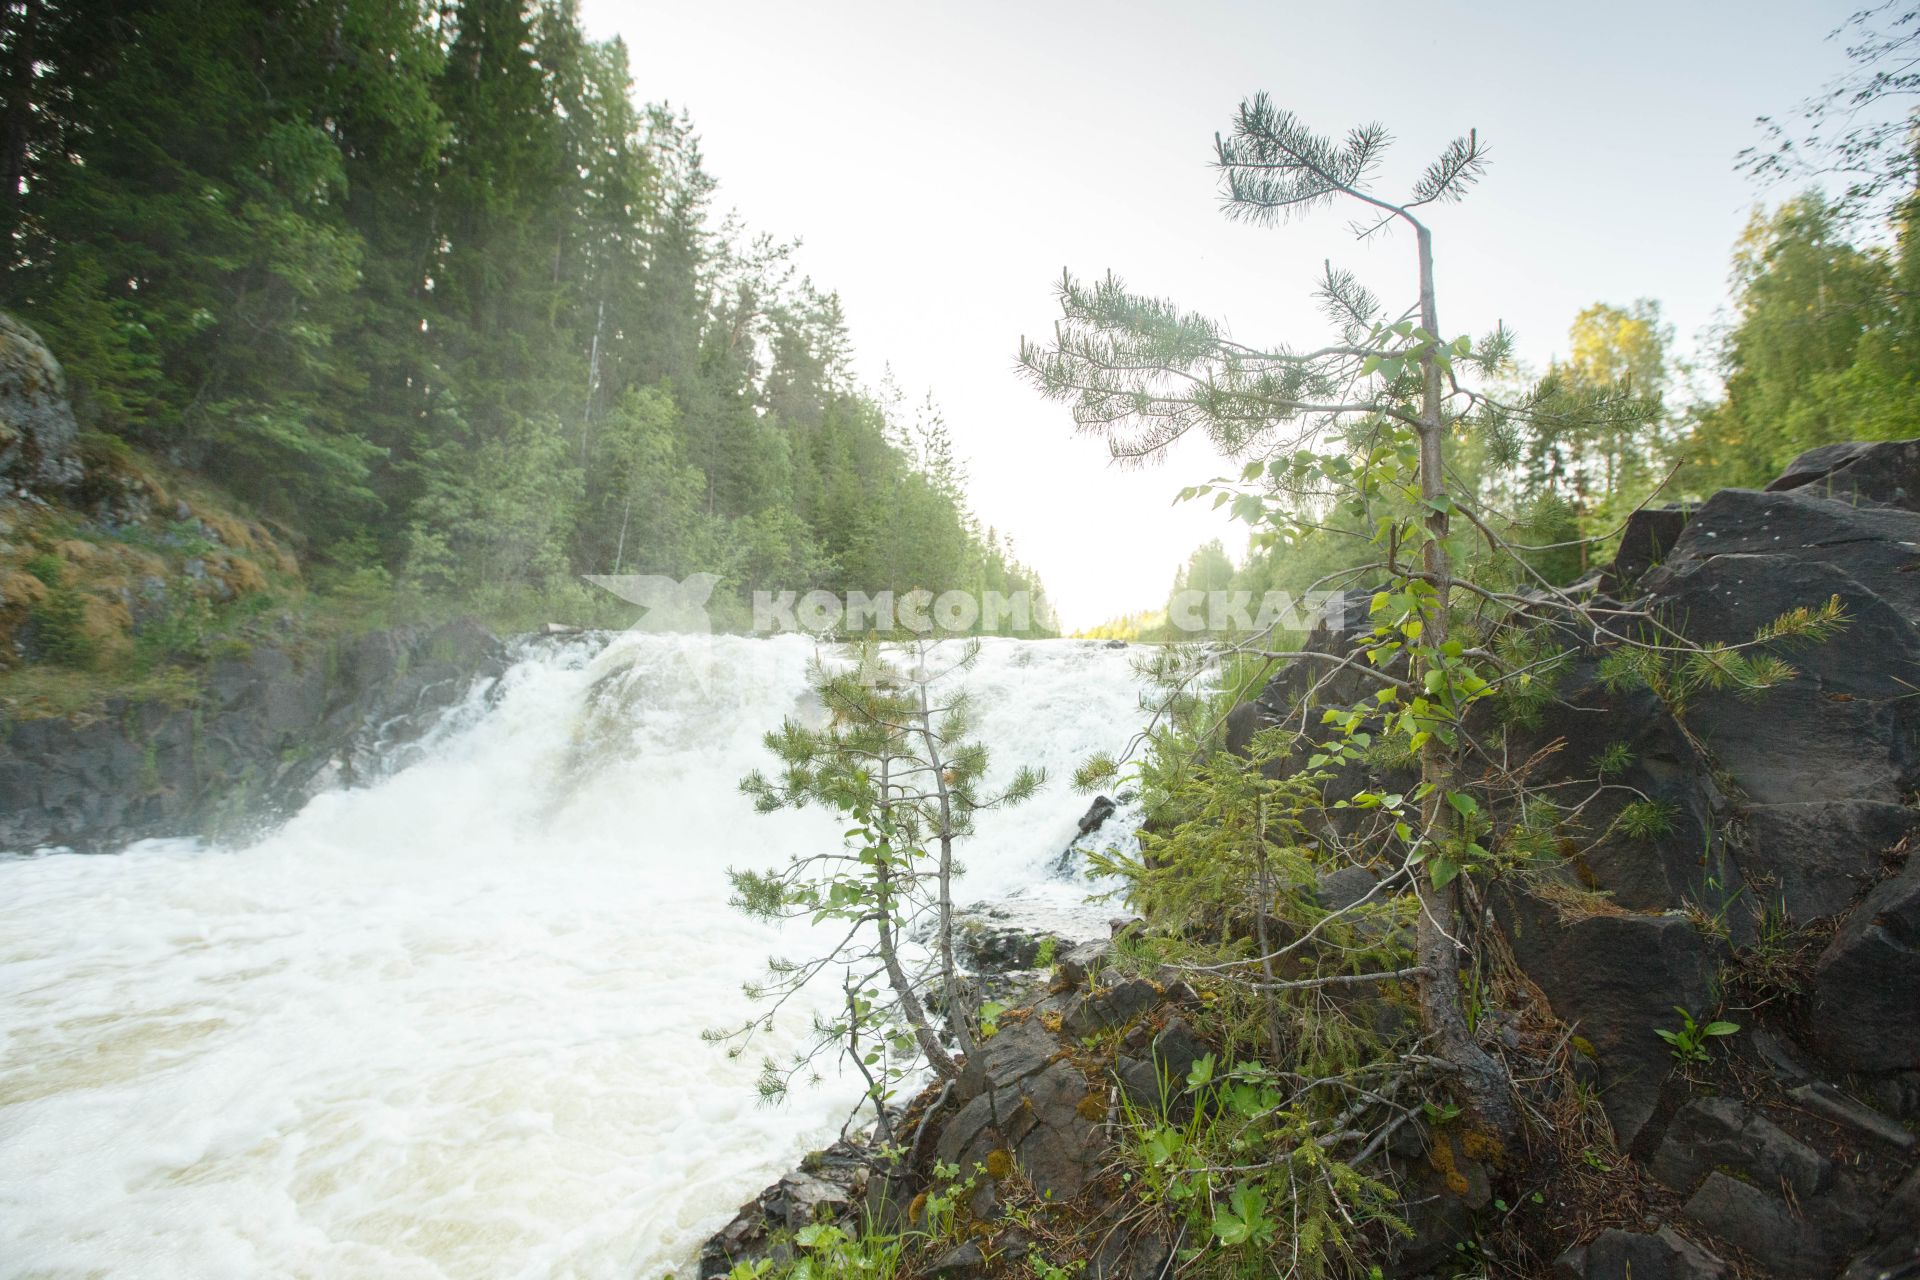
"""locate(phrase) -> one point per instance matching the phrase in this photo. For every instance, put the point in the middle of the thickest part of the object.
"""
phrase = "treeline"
(422, 284)
(1822, 345)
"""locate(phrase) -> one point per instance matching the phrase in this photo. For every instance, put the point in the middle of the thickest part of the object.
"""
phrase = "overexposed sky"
(943, 161)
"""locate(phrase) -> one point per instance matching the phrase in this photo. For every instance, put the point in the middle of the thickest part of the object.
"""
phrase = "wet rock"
(829, 1186)
(1721, 1133)
(1012, 934)
(1097, 813)
(272, 728)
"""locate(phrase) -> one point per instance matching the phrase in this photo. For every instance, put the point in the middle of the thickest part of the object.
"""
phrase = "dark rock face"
(1720, 1133)
(1794, 804)
(37, 429)
(1762, 1224)
(1888, 472)
(1788, 809)
(1818, 858)
(271, 730)
(1021, 1100)
(1662, 1255)
(1866, 1006)
(1649, 534)
(1616, 978)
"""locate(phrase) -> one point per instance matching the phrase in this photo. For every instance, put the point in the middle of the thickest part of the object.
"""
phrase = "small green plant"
(1243, 1219)
(828, 1251)
(1689, 1043)
(990, 1018)
(1043, 958)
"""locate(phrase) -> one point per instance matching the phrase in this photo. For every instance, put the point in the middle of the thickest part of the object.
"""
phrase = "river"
(448, 1025)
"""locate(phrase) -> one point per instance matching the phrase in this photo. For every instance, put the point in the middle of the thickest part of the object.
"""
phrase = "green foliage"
(425, 285)
(1613, 758)
(1822, 348)
(1246, 1167)
(1677, 673)
(60, 623)
(827, 1251)
(1647, 819)
(1689, 1043)
(896, 762)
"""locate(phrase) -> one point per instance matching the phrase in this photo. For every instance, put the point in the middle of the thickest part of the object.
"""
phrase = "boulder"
(1648, 535)
(1865, 1013)
(1615, 1254)
(1761, 1224)
(1884, 473)
(1721, 1133)
(1097, 813)
(1615, 978)
(38, 434)
(1342, 887)
(1021, 1096)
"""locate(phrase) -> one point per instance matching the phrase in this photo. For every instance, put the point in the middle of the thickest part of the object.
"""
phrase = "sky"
(942, 162)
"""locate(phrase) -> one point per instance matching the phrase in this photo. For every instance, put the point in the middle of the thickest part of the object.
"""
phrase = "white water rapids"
(448, 1026)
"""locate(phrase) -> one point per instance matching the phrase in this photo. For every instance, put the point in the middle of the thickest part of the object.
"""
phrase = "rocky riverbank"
(1779, 884)
(114, 579)
(268, 730)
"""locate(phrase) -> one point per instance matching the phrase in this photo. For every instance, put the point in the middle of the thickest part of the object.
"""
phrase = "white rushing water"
(449, 1025)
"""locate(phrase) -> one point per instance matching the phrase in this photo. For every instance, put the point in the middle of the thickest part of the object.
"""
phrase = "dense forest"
(422, 287)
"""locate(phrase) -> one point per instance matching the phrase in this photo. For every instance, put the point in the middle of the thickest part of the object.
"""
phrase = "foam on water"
(448, 1025)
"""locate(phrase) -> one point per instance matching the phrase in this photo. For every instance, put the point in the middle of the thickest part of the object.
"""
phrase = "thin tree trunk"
(959, 1014)
(910, 1007)
(1484, 1087)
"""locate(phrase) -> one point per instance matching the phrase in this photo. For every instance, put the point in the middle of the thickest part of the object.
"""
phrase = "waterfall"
(448, 1025)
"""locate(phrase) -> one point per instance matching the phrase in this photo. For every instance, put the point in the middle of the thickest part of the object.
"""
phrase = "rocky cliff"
(265, 731)
(148, 691)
